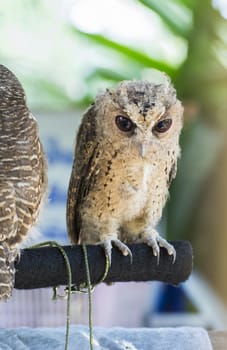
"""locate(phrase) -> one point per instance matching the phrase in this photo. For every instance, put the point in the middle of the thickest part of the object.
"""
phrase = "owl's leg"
(104, 232)
(152, 238)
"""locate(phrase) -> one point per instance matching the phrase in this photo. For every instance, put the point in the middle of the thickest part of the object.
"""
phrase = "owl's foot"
(155, 241)
(108, 244)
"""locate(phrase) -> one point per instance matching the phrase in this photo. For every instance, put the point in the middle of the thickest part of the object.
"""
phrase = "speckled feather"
(23, 175)
(119, 182)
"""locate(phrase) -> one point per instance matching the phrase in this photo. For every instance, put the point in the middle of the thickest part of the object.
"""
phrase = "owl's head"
(11, 92)
(139, 114)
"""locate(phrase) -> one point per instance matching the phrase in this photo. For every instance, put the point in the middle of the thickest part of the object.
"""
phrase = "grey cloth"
(181, 338)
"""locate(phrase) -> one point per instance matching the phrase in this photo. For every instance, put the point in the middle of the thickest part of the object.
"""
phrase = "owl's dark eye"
(124, 124)
(162, 125)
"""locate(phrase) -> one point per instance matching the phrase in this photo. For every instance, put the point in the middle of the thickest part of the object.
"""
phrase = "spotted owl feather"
(83, 172)
(23, 175)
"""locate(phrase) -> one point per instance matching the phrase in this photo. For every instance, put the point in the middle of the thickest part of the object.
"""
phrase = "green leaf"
(107, 74)
(45, 94)
(187, 3)
(176, 18)
(132, 54)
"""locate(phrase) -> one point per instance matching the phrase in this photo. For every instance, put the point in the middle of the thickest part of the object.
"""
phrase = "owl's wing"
(83, 172)
(8, 217)
(172, 173)
(8, 230)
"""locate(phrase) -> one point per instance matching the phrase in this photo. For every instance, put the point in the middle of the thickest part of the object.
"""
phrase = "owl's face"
(140, 115)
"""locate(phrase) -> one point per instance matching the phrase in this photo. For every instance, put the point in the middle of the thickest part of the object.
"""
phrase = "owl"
(23, 175)
(124, 161)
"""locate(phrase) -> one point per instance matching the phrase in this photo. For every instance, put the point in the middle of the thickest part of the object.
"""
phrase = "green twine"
(89, 286)
(69, 277)
(107, 267)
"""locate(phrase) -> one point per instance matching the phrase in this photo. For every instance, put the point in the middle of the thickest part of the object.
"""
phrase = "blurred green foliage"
(76, 70)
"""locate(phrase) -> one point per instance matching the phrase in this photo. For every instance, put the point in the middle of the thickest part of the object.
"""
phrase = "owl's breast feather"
(136, 180)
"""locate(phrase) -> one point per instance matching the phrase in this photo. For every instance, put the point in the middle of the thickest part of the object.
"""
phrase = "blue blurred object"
(170, 299)
(55, 152)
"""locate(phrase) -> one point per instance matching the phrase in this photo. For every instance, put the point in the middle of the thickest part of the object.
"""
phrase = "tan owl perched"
(125, 159)
(23, 175)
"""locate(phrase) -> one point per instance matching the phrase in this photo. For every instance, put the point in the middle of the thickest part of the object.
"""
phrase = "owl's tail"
(7, 271)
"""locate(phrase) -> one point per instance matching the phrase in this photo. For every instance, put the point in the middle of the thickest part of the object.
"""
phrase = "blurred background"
(64, 52)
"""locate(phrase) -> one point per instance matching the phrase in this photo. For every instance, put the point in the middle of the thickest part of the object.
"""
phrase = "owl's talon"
(123, 248)
(173, 253)
(151, 242)
(107, 246)
(169, 247)
(155, 241)
(109, 243)
(158, 257)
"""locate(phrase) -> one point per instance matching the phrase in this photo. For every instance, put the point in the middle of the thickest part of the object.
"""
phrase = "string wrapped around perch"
(45, 267)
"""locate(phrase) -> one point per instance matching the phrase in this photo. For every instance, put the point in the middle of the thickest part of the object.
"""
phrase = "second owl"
(125, 159)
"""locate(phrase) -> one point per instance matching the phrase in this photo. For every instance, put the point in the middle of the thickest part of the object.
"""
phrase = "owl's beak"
(143, 149)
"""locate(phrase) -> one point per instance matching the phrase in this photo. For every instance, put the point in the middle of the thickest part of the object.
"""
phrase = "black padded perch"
(45, 267)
